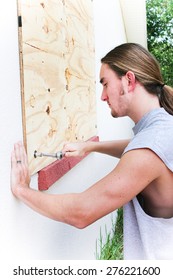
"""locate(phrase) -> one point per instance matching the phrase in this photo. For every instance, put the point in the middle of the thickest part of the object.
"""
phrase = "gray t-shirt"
(155, 131)
(146, 237)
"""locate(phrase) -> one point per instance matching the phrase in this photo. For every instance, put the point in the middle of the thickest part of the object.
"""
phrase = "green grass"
(112, 249)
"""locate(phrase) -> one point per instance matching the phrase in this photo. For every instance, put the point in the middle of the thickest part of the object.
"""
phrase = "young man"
(142, 181)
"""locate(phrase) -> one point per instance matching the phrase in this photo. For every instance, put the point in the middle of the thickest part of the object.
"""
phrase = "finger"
(23, 155)
(13, 159)
(70, 147)
(71, 154)
(15, 168)
(65, 143)
(20, 154)
(65, 148)
(17, 151)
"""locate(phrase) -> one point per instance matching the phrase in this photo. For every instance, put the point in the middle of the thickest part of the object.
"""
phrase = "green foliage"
(160, 35)
(113, 247)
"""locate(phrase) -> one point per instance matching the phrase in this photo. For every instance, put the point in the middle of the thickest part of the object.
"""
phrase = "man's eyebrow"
(101, 80)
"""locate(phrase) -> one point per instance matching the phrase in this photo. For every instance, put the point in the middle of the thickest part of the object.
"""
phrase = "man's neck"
(142, 103)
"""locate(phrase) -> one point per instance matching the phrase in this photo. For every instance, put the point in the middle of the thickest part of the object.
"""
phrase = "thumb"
(71, 154)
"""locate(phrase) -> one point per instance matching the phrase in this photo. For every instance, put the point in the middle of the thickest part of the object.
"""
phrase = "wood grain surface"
(57, 61)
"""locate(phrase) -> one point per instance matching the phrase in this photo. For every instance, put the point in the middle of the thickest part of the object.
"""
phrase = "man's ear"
(131, 79)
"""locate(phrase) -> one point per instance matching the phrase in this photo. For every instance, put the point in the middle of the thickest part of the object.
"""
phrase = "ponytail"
(166, 99)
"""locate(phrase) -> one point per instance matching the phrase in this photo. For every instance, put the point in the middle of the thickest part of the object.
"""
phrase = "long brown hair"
(133, 57)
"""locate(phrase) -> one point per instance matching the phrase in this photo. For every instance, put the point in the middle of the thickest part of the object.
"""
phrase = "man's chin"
(114, 115)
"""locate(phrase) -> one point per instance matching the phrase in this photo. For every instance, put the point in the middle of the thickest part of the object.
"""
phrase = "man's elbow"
(81, 224)
(81, 220)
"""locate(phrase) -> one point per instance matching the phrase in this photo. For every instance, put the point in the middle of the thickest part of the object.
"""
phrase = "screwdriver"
(58, 155)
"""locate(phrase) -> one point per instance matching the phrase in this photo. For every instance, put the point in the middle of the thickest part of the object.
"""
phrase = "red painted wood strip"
(54, 171)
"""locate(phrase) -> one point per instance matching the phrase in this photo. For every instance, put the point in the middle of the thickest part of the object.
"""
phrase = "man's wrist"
(90, 147)
(21, 192)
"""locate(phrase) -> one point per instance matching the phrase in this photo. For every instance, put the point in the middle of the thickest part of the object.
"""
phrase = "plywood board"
(57, 75)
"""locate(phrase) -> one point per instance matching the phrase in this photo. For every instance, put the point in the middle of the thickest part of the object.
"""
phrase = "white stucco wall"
(24, 233)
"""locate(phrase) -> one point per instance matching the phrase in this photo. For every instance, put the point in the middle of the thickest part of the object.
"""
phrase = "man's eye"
(105, 85)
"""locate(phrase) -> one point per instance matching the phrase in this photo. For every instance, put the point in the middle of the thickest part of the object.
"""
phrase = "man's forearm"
(62, 208)
(113, 148)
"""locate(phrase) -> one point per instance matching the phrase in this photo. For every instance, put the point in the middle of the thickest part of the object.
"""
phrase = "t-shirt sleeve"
(160, 141)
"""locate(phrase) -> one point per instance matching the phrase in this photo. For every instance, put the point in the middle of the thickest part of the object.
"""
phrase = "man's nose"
(104, 96)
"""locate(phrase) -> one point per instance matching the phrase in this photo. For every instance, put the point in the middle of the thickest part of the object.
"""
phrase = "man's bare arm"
(126, 180)
(112, 148)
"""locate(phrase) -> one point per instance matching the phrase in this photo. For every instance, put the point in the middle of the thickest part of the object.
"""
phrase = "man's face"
(113, 91)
